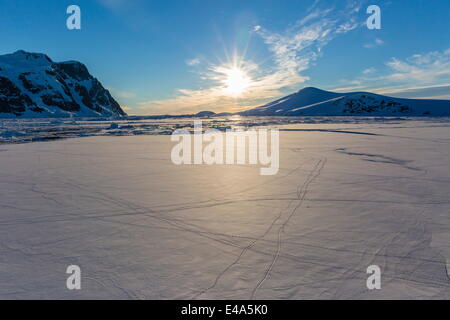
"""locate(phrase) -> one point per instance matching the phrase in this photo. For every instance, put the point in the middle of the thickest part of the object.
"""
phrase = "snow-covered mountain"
(315, 102)
(32, 85)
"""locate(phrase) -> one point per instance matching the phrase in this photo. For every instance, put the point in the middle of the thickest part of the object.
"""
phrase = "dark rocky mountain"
(32, 85)
(315, 102)
(205, 114)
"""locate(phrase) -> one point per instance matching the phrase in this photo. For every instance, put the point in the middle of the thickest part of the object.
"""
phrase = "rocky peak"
(74, 69)
(32, 85)
(23, 59)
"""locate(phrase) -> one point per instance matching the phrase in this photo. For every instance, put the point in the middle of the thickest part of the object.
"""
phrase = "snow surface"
(348, 195)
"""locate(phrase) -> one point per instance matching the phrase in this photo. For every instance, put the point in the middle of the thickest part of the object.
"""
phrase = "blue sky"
(182, 56)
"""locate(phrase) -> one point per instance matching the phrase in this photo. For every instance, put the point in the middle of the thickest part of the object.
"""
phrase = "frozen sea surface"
(35, 130)
(348, 195)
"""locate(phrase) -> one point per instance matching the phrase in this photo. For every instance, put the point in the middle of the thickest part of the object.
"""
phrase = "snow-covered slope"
(316, 102)
(32, 85)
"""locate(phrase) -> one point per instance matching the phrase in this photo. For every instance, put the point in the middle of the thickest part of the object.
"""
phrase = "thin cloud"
(369, 71)
(422, 75)
(434, 92)
(193, 62)
(424, 68)
(376, 43)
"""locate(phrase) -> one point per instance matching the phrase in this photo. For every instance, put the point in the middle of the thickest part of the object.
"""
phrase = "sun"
(236, 81)
(234, 78)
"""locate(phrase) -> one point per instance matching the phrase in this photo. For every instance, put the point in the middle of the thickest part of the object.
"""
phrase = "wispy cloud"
(193, 62)
(423, 68)
(422, 75)
(369, 71)
(291, 53)
(434, 92)
(375, 43)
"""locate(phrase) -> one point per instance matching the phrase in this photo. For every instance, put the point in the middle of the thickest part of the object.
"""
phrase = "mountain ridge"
(33, 85)
(311, 101)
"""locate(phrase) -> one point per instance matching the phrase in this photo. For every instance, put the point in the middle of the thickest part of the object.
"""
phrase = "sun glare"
(236, 81)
